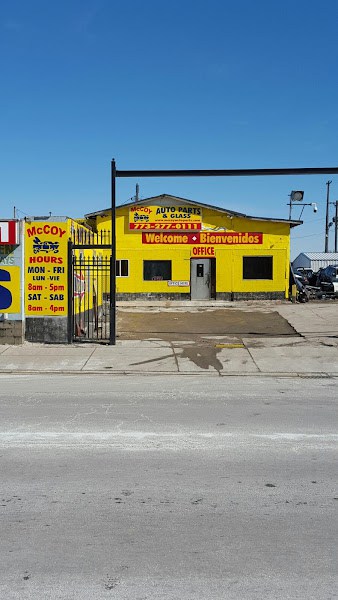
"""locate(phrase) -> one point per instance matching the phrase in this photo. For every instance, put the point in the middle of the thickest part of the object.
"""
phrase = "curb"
(309, 375)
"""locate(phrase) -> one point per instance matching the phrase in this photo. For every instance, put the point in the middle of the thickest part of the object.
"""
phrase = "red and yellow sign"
(165, 217)
(46, 269)
(229, 238)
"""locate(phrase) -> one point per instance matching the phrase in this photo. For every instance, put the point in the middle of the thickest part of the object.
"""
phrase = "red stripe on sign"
(159, 226)
(232, 238)
(12, 232)
(8, 232)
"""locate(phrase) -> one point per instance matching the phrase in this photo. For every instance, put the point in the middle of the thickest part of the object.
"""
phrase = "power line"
(306, 236)
(20, 211)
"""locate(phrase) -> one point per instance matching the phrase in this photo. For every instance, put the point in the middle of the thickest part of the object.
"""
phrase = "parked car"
(307, 275)
(327, 280)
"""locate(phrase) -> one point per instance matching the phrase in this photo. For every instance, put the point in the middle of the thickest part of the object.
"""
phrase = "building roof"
(320, 255)
(55, 218)
(230, 213)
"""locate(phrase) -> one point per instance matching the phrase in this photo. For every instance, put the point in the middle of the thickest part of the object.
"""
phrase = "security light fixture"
(297, 196)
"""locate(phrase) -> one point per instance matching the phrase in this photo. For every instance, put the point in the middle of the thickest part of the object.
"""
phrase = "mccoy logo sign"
(165, 217)
(9, 232)
(48, 229)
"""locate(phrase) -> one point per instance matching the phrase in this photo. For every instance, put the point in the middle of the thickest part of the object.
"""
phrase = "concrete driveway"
(139, 320)
(194, 322)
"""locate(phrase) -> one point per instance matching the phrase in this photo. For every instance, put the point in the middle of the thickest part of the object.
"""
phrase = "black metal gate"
(89, 279)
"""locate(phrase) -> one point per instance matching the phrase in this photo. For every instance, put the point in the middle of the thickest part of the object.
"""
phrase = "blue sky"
(168, 85)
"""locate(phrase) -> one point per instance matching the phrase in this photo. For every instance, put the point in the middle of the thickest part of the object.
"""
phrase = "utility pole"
(290, 207)
(328, 183)
(336, 227)
(112, 278)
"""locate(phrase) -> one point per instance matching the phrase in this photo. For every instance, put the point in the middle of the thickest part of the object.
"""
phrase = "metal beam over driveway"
(184, 173)
(228, 172)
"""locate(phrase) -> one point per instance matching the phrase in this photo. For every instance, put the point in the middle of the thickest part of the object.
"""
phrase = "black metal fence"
(90, 281)
(85, 238)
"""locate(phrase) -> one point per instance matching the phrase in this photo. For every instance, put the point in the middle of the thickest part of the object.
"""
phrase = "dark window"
(156, 270)
(257, 267)
(122, 268)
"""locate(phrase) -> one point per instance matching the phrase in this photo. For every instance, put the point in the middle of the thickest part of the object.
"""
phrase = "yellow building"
(174, 248)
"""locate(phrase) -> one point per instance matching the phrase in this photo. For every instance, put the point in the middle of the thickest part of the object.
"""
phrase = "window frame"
(157, 261)
(252, 257)
(118, 267)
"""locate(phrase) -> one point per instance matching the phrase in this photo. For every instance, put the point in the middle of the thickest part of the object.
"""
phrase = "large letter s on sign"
(5, 294)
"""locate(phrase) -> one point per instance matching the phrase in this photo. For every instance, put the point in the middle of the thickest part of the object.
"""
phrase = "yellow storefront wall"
(229, 258)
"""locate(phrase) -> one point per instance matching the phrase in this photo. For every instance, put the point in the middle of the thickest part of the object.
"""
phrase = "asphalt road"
(168, 488)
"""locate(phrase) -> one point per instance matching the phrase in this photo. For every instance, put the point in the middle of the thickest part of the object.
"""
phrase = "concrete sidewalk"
(312, 351)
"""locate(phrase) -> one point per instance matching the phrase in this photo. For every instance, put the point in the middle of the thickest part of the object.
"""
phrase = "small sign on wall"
(183, 283)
